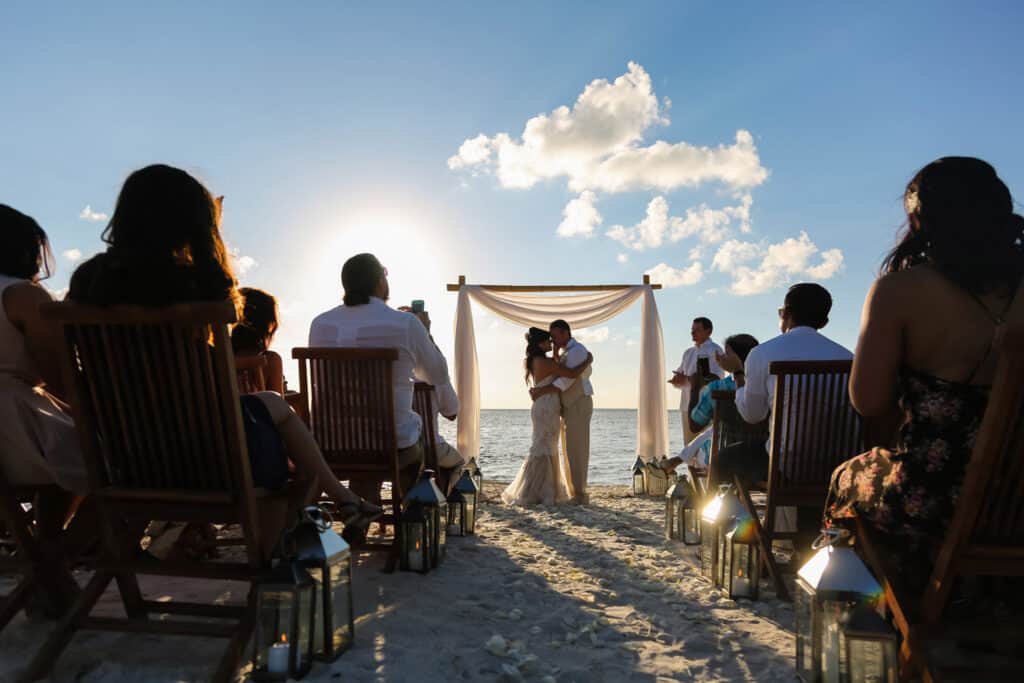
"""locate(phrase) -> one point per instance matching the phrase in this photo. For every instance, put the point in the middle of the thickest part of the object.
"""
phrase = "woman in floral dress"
(929, 346)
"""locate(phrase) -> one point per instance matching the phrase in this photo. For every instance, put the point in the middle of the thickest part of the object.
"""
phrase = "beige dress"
(38, 443)
(539, 481)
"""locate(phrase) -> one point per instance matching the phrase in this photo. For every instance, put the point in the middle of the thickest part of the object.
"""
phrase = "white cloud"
(88, 214)
(73, 255)
(669, 277)
(622, 258)
(579, 217)
(596, 145)
(733, 253)
(658, 227)
(241, 263)
(471, 152)
(780, 263)
(592, 335)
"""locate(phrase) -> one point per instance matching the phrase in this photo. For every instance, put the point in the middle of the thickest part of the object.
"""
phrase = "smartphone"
(417, 306)
(703, 366)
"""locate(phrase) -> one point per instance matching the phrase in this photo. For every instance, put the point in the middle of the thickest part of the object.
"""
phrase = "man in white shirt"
(804, 312)
(577, 397)
(366, 321)
(684, 376)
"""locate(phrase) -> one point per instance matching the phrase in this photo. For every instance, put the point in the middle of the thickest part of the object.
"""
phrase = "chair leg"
(131, 596)
(227, 667)
(15, 600)
(43, 661)
(763, 542)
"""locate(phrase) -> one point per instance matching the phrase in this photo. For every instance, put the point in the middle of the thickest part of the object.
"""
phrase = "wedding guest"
(364, 320)
(254, 333)
(928, 347)
(38, 442)
(803, 314)
(696, 452)
(685, 376)
(164, 247)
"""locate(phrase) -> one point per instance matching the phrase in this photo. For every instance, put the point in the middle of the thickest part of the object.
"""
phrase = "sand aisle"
(589, 593)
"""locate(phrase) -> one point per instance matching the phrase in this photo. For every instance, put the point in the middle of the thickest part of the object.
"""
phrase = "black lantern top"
(725, 506)
(639, 465)
(836, 572)
(316, 542)
(465, 486)
(425, 492)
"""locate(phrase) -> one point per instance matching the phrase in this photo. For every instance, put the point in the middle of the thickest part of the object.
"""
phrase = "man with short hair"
(804, 312)
(686, 376)
(366, 321)
(577, 400)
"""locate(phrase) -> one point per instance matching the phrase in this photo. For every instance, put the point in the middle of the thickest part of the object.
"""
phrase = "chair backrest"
(423, 404)
(155, 398)
(351, 404)
(814, 426)
(728, 426)
(251, 373)
(986, 533)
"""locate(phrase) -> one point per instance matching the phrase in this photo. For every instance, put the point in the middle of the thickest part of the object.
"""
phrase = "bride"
(539, 480)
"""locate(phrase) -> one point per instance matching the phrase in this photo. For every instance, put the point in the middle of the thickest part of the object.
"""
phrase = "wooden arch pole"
(550, 288)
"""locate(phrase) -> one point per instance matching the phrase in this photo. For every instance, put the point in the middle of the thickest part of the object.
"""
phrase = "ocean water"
(505, 441)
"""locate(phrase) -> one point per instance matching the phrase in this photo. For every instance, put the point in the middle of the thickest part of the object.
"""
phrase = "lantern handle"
(830, 536)
(318, 515)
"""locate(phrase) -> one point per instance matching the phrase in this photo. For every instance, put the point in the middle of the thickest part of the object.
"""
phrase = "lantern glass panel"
(456, 517)
(283, 640)
(709, 550)
(638, 484)
(671, 530)
(872, 660)
(440, 534)
(470, 513)
(302, 654)
(415, 547)
(833, 647)
(691, 526)
(805, 641)
(342, 615)
(743, 566)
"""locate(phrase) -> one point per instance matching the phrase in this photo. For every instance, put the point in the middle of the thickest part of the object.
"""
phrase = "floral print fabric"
(910, 494)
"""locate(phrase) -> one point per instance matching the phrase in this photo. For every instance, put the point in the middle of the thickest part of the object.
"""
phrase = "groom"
(577, 407)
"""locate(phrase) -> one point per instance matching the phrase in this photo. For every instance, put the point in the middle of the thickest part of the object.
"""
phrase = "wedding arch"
(581, 306)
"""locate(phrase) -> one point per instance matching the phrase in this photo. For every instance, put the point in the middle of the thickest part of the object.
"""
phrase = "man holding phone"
(700, 361)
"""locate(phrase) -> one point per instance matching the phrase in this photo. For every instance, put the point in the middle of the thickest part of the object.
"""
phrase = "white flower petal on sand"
(497, 646)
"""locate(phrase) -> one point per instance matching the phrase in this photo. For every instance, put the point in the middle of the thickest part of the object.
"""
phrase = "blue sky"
(329, 130)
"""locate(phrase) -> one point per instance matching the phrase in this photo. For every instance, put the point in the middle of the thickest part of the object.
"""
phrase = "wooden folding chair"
(352, 417)
(728, 428)
(814, 429)
(159, 420)
(251, 373)
(423, 404)
(985, 535)
(23, 552)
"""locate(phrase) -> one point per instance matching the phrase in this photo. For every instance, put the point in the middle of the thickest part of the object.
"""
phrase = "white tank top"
(14, 358)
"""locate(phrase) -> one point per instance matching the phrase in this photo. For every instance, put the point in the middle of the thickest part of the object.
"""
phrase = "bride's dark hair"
(534, 338)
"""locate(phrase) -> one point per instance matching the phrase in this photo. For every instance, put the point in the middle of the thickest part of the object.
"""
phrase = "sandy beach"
(589, 593)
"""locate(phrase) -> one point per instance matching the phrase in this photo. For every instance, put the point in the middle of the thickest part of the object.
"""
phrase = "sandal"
(361, 514)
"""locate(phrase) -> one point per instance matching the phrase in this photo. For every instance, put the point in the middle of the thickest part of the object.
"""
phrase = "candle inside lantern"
(416, 557)
(277, 659)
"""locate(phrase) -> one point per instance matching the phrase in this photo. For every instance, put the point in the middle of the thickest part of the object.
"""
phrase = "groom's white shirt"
(575, 355)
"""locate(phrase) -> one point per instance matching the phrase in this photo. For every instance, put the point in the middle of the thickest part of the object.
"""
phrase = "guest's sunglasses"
(782, 312)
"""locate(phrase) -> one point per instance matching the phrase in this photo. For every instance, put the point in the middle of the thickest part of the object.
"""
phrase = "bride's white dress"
(539, 481)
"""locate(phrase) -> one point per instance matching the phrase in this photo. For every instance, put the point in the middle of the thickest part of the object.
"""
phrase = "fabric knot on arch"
(581, 307)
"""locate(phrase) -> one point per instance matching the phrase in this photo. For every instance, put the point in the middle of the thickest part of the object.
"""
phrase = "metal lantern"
(741, 561)
(639, 477)
(682, 520)
(715, 521)
(657, 482)
(328, 559)
(283, 638)
(871, 647)
(462, 506)
(427, 495)
(476, 473)
(416, 538)
(831, 585)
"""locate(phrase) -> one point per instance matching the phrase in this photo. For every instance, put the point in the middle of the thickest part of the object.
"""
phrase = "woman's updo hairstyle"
(960, 220)
(534, 338)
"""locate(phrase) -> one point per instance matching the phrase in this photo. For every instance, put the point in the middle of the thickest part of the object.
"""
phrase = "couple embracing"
(561, 391)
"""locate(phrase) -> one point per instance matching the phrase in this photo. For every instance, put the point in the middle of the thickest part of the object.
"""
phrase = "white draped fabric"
(579, 310)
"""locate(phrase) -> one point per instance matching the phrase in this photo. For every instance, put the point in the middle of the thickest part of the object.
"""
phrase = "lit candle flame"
(284, 637)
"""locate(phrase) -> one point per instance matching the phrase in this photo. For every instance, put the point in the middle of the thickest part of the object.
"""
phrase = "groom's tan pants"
(577, 441)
